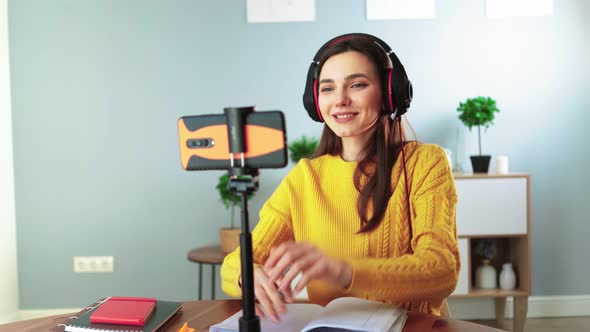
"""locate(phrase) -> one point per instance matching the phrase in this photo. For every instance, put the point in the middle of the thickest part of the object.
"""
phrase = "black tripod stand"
(243, 181)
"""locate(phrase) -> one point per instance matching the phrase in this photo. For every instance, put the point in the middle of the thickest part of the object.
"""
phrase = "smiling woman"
(350, 99)
(370, 215)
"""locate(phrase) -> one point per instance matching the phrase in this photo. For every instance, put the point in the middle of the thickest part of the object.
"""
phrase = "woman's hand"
(270, 301)
(289, 259)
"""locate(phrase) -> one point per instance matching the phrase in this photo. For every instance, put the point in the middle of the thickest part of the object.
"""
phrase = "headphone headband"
(397, 89)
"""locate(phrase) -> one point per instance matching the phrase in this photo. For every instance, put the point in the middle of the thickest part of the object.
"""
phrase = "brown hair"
(372, 176)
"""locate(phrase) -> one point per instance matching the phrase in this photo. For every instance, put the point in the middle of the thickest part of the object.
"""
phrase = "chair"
(211, 255)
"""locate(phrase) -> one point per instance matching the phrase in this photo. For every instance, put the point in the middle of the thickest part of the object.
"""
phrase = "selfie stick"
(243, 180)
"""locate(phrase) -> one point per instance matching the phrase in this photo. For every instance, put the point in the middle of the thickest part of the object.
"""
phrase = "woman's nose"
(342, 98)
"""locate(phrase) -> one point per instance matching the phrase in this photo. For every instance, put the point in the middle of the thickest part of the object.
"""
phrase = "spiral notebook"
(164, 313)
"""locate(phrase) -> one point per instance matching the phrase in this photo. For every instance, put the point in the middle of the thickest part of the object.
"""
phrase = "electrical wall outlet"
(85, 264)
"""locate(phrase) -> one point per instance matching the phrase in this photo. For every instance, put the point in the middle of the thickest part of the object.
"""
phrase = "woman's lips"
(343, 117)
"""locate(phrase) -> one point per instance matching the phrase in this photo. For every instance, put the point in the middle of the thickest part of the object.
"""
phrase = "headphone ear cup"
(409, 93)
(404, 94)
(400, 92)
(310, 95)
(387, 91)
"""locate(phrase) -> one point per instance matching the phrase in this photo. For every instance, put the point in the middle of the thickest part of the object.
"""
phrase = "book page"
(297, 315)
(356, 314)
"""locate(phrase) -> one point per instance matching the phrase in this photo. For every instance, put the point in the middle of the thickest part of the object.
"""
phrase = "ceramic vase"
(485, 275)
(507, 277)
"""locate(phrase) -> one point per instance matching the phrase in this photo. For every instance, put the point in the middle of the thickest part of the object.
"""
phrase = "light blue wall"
(98, 85)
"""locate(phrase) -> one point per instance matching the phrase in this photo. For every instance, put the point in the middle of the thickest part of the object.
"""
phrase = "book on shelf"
(342, 314)
(164, 313)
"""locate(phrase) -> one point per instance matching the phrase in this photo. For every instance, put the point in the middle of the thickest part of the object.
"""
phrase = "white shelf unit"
(495, 207)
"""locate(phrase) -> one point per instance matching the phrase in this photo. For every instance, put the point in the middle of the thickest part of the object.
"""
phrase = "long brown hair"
(372, 176)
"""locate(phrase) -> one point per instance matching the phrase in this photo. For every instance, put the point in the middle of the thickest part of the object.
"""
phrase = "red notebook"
(124, 310)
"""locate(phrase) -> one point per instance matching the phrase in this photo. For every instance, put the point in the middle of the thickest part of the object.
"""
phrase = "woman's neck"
(352, 147)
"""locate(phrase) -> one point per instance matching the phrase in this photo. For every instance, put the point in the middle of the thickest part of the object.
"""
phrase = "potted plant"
(478, 112)
(302, 148)
(229, 237)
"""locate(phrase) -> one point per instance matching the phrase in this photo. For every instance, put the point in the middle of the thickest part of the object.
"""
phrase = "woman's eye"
(326, 89)
(358, 85)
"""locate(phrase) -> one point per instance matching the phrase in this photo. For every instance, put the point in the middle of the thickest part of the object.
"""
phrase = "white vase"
(507, 277)
(485, 275)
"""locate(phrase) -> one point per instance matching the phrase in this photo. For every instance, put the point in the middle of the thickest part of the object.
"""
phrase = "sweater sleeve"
(273, 228)
(430, 273)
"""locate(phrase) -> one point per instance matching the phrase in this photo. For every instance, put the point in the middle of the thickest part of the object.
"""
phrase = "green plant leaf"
(302, 148)
(478, 111)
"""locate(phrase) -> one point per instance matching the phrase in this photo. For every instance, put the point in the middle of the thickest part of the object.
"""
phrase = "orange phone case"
(265, 141)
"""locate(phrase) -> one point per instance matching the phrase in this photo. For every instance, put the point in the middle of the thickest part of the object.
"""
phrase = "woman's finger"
(300, 266)
(275, 254)
(305, 279)
(268, 295)
(289, 255)
(259, 312)
(275, 297)
(265, 303)
(287, 293)
(325, 269)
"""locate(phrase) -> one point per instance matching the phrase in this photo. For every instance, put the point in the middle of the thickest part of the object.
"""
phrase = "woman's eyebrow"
(347, 78)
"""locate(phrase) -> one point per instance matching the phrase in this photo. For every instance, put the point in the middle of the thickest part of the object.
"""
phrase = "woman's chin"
(342, 133)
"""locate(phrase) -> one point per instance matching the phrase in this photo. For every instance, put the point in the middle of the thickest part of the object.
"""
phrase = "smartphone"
(204, 143)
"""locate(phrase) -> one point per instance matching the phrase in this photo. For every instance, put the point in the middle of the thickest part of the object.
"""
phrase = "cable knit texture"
(316, 202)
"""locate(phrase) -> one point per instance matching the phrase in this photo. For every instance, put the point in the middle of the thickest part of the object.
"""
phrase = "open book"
(342, 314)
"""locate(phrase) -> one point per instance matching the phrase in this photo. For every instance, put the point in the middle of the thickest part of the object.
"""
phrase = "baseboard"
(539, 306)
(9, 317)
(461, 308)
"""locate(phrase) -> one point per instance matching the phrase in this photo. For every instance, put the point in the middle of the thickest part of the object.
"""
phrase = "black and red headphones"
(397, 89)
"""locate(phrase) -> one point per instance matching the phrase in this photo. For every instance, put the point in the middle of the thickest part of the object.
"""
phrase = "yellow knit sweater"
(316, 203)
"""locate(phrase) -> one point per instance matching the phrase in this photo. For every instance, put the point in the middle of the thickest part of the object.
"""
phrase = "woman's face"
(350, 94)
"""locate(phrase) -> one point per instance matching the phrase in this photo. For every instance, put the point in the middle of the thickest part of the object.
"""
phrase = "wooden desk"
(202, 314)
(211, 255)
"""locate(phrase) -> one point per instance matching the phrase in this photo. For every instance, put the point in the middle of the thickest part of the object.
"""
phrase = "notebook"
(342, 314)
(164, 313)
(124, 310)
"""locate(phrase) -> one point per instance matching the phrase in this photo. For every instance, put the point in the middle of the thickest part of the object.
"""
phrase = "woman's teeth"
(344, 116)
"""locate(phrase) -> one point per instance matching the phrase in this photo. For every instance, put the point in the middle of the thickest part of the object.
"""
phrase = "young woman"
(370, 215)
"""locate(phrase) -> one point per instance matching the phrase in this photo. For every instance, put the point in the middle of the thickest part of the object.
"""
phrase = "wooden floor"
(562, 324)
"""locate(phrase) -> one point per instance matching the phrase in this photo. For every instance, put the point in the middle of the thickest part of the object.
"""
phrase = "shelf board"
(465, 175)
(496, 292)
(491, 236)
